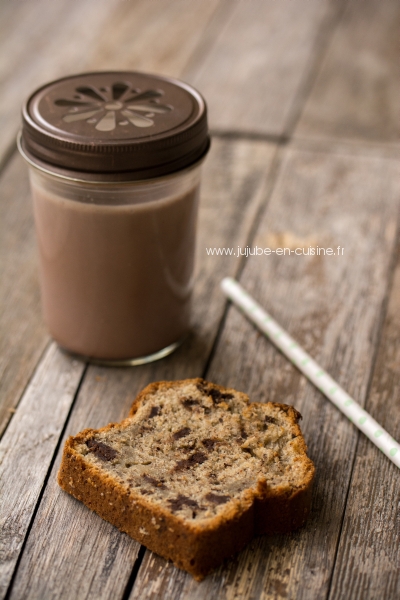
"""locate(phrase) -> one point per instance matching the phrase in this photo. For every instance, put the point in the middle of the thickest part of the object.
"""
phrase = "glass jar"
(116, 243)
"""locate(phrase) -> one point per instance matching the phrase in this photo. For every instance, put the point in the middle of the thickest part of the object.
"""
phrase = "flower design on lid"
(118, 104)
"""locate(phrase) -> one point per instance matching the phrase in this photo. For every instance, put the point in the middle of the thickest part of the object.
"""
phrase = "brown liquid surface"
(116, 280)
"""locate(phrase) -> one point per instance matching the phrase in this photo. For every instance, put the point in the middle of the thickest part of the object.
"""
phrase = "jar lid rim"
(115, 122)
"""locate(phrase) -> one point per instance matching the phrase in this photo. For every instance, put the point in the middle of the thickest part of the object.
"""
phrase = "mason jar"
(114, 162)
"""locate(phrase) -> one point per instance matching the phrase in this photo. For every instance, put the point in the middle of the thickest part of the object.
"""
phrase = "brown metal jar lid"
(114, 126)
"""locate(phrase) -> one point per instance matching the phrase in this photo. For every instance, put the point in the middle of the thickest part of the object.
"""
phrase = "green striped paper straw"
(303, 361)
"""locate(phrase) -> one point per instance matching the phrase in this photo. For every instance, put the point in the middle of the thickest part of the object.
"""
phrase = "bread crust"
(202, 545)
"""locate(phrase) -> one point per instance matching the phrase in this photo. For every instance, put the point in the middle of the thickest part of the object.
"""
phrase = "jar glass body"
(116, 263)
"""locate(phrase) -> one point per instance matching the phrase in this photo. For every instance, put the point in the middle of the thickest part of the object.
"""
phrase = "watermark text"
(284, 251)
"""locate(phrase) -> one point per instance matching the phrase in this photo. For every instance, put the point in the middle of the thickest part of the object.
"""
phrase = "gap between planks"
(341, 326)
(225, 199)
(160, 366)
(221, 143)
(383, 387)
(27, 451)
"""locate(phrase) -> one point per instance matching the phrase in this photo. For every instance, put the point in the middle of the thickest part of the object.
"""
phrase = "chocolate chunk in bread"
(194, 472)
(101, 450)
(181, 433)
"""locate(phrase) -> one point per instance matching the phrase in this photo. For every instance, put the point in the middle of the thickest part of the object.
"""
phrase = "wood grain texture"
(158, 38)
(27, 449)
(22, 334)
(84, 556)
(256, 67)
(42, 41)
(332, 306)
(357, 92)
(254, 62)
(367, 565)
(45, 41)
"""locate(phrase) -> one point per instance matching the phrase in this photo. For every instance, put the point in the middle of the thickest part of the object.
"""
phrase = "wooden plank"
(42, 41)
(84, 556)
(367, 565)
(27, 449)
(22, 334)
(256, 68)
(356, 95)
(45, 41)
(332, 306)
(164, 41)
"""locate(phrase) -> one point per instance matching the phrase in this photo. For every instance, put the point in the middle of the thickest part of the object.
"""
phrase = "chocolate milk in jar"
(114, 161)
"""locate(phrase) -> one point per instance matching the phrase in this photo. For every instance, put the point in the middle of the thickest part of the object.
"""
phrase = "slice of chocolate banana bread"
(194, 472)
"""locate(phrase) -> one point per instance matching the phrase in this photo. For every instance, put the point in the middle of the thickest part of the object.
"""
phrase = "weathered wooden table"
(304, 100)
